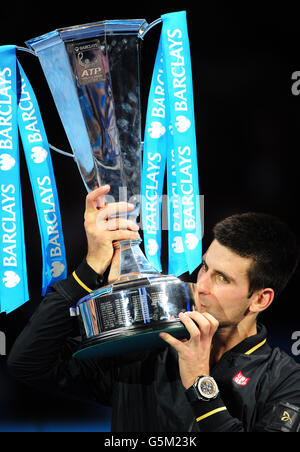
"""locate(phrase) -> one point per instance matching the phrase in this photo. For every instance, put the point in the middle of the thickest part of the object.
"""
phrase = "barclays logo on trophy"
(93, 72)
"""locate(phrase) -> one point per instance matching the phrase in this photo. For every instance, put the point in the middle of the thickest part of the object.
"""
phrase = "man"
(225, 377)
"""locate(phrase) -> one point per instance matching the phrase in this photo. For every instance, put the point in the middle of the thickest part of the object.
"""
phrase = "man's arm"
(194, 361)
(42, 354)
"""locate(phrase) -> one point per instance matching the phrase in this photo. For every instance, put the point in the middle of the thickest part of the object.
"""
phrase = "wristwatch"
(205, 388)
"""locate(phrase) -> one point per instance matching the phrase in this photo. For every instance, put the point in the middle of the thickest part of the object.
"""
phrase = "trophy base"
(127, 316)
(126, 341)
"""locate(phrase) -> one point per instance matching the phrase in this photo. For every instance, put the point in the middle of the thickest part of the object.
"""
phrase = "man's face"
(223, 285)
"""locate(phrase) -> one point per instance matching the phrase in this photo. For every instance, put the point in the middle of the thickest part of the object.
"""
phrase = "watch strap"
(192, 394)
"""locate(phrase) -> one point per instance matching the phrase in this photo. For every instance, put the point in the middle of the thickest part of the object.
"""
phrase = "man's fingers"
(178, 345)
(119, 223)
(113, 209)
(96, 198)
(196, 324)
(124, 234)
(206, 322)
(212, 320)
(190, 325)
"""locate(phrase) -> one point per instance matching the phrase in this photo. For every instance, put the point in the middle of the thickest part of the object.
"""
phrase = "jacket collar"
(253, 343)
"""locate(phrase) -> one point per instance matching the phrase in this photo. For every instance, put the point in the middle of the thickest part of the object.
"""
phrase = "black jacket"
(259, 386)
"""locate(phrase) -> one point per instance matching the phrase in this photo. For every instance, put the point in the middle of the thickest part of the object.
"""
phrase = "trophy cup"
(93, 74)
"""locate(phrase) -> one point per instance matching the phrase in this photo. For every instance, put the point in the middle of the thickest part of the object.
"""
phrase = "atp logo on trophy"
(89, 62)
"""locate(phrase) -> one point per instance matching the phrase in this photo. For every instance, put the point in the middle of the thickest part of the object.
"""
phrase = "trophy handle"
(54, 148)
(145, 30)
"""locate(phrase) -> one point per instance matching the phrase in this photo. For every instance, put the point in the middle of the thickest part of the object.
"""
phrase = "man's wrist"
(97, 265)
(189, 381)
(80, 283)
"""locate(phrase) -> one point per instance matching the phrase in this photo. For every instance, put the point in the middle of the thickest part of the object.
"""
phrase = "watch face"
(207, 387)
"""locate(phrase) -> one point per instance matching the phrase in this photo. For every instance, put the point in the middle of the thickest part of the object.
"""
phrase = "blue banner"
(170, 141)
(154, 162)
(19, 111)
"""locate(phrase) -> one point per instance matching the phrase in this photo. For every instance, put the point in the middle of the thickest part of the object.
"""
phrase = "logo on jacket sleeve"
(239, 379)
(285, 417)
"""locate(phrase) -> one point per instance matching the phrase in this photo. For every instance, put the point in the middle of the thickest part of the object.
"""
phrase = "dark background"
(248, 142)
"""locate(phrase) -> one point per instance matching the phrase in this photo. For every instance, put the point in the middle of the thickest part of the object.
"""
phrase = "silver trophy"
(93, 72)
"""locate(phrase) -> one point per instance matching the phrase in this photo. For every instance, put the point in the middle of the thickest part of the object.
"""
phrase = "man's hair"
(268, 241)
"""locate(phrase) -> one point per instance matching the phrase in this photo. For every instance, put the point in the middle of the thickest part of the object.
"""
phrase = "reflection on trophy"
(93, 74)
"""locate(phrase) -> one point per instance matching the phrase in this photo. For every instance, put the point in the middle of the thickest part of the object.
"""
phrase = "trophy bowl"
(127, 316)
(93, 72)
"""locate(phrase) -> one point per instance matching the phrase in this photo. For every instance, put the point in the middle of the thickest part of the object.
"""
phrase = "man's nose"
(204, 283)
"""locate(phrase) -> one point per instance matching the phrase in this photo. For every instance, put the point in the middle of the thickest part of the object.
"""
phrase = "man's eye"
(221, 278)
(203, 267)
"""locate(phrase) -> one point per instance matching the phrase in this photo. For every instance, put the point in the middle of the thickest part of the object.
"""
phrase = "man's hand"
(194, 354)
(102, 231)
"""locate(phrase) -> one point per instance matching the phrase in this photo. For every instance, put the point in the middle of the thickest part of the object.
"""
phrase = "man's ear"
(261, 300)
